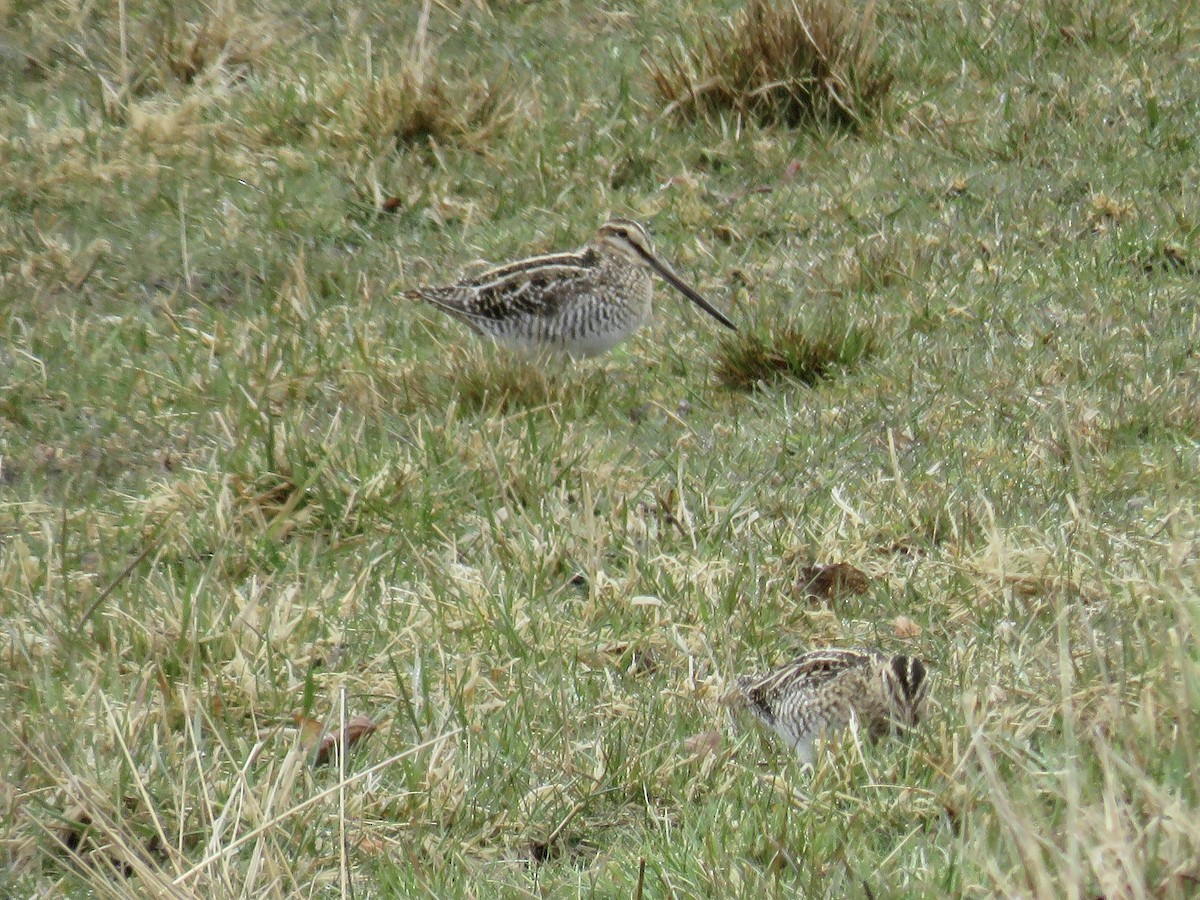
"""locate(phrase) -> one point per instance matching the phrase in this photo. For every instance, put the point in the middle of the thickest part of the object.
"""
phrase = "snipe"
(820, 692)
(581, 303)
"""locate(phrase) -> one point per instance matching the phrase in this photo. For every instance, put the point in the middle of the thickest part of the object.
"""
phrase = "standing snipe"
(582, 303)
(822, 690)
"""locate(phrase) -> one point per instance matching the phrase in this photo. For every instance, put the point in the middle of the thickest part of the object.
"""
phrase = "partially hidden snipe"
(820, 692)
(581, 303)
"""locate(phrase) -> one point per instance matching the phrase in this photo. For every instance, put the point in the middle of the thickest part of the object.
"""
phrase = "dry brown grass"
(138, 49)
(222, 39)
(419, 102)
(787, 61)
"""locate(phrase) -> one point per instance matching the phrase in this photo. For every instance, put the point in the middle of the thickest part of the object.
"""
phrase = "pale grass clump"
(416, 96)
(419, 102)
(223, 39)
(258, 822)
(786, 61)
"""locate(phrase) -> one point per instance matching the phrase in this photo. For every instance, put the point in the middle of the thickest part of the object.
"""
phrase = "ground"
(243, 482)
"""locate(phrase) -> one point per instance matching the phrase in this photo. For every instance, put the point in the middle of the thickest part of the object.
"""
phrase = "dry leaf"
(905, 628)
(310, 730)
(356, 729)
(826, 582)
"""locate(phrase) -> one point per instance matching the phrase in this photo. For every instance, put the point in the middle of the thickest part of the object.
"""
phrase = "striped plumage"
(820, 692)
(581, 303)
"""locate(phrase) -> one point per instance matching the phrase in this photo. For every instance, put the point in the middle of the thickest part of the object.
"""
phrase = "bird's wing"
(539, 287)
(541, 292)
(813, 669)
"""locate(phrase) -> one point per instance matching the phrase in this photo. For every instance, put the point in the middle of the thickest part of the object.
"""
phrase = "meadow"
(248, 491)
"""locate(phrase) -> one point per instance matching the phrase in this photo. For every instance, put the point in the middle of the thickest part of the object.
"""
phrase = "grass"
(805, 353)
(239, 475)
(781, 61)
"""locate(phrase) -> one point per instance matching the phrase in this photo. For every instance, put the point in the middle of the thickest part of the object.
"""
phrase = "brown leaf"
(356, 729)
(310, 730)
(905, 628)
(826, 582)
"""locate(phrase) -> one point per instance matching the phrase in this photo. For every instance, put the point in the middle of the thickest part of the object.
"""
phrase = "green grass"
(239, 474)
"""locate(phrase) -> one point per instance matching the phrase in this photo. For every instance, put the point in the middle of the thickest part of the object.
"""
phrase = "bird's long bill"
(680, 285)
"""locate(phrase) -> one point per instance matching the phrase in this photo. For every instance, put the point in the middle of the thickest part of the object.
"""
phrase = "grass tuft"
(222, 39)
(418, 102)
(787, 62)
(755, 357)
